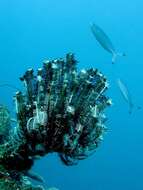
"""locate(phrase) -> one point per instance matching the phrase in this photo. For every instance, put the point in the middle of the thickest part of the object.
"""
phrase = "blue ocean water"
(32, 30)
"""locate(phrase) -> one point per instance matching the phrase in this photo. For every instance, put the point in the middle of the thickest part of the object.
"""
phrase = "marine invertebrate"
(61, 110)
(4, 123)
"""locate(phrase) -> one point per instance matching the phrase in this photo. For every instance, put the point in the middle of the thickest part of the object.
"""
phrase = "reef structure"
(5, 121)
(62, 111)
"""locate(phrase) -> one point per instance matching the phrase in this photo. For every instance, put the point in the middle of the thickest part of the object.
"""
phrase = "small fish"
(35, 177)
(126, 94)
(105, 41)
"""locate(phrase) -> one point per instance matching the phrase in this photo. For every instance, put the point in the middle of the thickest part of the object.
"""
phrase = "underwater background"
(32, 31)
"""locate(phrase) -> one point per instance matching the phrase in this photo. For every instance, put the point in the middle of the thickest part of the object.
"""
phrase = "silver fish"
(126, 94)
(35, 177)
(105, 41)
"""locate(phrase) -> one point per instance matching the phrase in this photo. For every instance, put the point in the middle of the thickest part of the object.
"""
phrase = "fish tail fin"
(115, 55)
(131, 106)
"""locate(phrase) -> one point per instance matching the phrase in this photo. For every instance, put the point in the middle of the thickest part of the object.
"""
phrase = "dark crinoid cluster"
(62, 110)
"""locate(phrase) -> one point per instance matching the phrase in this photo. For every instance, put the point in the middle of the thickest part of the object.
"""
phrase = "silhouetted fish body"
(35, 177)
(126, 94)
(105, 41)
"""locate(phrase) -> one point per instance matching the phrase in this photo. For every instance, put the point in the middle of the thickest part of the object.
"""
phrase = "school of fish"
(105, 42)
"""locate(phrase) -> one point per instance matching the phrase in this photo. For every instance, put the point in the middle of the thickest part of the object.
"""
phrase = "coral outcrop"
(62, 111)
